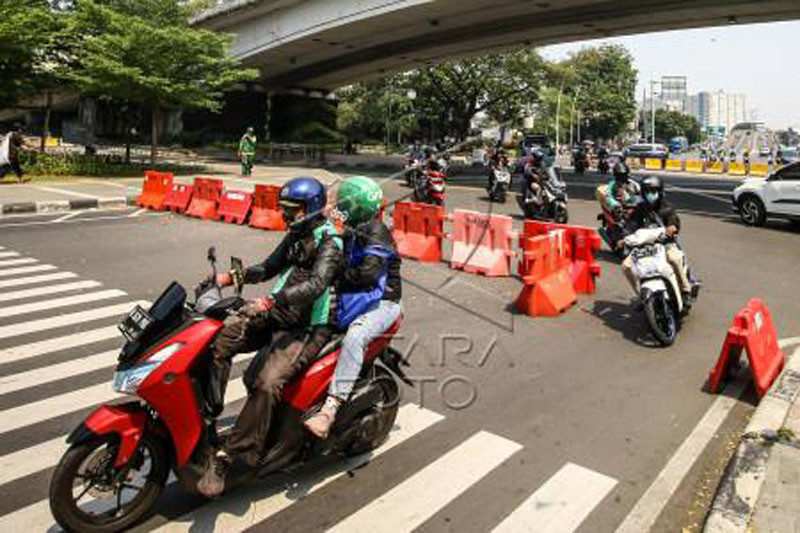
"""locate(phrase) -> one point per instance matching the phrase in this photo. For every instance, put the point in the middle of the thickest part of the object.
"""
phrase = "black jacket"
(643, 216)
(314, 270)
(365, 275)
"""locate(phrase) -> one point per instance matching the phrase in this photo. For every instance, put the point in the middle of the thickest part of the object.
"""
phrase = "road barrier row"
(701, 166)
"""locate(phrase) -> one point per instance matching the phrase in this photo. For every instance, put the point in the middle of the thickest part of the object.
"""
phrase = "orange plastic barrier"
(736, 169)
(266, 213)
(673, 164)
(482, 243)
(234, 206)
(154, 190)
(419, 230)
(178, 197)
(752, 329)
(583, 245)
(548, 288)
(694, 165)
(759, 169)
(205, 199)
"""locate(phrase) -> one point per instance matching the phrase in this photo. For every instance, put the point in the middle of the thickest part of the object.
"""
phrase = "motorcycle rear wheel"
(100, 452)
(378, 421)
(560, 213)
(661, 319)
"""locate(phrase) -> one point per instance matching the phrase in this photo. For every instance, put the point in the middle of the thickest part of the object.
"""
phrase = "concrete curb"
(60, 206)
(741, 484)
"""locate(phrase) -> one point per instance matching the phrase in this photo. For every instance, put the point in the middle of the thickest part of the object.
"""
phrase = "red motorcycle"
(429, 187)
(612, 227)
(120, 457)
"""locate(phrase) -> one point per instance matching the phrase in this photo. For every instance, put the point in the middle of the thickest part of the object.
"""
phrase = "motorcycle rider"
(430, 160)
(497, 160)
(534, 175)
(655, 210)
(619, 192)
(306, 262)
(372, 255)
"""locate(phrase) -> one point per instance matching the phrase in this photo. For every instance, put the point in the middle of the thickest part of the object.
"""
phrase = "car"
(764, 151)
(777, 196)
(647, 150)
(534, 141)
(788, 155)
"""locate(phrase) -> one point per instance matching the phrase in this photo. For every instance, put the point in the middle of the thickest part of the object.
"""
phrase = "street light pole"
(558, 115)
(653, 111)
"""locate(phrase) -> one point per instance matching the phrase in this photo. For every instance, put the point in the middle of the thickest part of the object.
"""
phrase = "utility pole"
(653, 111)
(558, 115)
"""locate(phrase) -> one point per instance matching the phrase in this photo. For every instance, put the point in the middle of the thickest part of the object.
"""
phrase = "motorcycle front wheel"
(88, 494)
(661, 319)
(560, 213)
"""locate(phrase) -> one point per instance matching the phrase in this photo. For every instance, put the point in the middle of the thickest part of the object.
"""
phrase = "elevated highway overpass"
(323, 44)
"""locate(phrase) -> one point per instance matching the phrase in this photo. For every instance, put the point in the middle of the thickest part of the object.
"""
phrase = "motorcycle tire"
(501, 197)
(71, 518)
(560, 214)
(661, 318)
(377, 422)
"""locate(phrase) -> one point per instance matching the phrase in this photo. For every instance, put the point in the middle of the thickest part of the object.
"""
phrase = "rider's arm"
(269, 267)
(670, 217)
(611, 196)
(326, 266)
(644, 236)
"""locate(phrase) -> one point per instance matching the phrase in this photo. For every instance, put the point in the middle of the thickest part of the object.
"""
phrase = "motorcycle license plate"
(135, 323)
(503, 177)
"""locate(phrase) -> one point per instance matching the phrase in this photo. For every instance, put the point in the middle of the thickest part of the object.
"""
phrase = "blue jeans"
(361, 332)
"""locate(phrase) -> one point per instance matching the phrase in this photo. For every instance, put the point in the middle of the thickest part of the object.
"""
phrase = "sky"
(761, 61)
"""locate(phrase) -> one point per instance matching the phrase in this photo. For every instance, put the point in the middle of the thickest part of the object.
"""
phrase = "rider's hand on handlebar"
(671, 231)
(620, 244)
(258, 306)
(224, 279)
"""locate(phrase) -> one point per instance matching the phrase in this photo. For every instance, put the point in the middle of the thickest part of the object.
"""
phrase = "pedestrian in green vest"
(247, 151)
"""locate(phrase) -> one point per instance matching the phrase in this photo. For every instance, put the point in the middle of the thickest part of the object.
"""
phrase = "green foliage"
(605, 81)
(40, 164)
(674, 124)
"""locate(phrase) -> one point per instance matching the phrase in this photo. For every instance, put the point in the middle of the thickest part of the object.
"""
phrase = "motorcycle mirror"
(212, 254)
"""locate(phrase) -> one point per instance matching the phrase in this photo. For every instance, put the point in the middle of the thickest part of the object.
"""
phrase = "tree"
(157, 63)
(606, 81)
(674, 124)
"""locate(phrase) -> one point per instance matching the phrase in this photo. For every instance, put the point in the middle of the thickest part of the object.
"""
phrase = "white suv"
(777, 196)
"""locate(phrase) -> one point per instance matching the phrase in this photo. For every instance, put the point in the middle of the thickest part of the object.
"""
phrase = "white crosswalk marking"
(9, 254)
(561, 504)
(46, 291)
(410, 504)
(61, 302)
(5, 272)
(55, 344)
(30, 280)
(67, 369)
(15, 262)
(65, 320)
(244, 508)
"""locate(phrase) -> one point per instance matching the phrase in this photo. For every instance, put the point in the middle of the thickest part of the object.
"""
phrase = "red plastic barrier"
(482, 243)
(266, 213)
(154, 190)
(178, 197)
(753, 330)
(548, 289)
(584, 243)
(205, 199)
(234, 206)
(419, 230)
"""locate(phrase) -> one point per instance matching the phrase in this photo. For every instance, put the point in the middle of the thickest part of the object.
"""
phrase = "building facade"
(717, 111)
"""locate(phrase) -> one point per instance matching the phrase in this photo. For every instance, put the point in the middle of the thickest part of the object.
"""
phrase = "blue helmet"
(309, 193)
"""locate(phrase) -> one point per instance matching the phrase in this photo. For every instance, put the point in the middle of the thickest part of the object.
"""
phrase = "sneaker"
(320, 424)
(212, 484)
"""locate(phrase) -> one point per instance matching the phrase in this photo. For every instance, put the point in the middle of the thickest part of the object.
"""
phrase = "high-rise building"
(673, 93)
(717, 111)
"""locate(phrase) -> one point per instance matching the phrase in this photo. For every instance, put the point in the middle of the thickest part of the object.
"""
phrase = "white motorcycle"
(499, 183)
(659, 290)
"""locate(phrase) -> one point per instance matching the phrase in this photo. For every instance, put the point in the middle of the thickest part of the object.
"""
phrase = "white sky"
(760, 60)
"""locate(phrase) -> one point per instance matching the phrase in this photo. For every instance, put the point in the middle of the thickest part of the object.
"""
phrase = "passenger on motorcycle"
(655, 210)
(294, 320)
(372, 271)
(620, 192)
(534, 175)
(430, 161)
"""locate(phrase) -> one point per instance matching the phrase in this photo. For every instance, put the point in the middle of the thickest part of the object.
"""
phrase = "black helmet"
(621, 171)
(652, 190)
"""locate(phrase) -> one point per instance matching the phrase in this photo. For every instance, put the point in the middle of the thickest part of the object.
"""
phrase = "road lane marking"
(35, 326)
(561, 504)
(21, 261)
(45, 291)
(70, 215)
(9, 254)
(68, 369)
(25, 270)
(61, 302)
(138, 212)
(68, 192)
(56, 344)
(80, 220)
(646, 511)
(412, 502)
(248, 506)
(16, 282)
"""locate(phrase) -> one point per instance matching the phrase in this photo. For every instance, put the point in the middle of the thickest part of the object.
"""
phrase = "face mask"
(651, 197)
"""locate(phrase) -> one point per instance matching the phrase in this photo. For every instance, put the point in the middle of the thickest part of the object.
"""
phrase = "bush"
(38, 164)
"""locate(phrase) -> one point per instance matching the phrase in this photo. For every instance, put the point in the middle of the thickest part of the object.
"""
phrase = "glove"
(224, 279)
(258, 306)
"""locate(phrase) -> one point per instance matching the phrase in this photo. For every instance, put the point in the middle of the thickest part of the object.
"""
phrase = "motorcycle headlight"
(127, 381)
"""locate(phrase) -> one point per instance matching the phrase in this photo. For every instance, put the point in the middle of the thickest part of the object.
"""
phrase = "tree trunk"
(153, 133)
(46, 126)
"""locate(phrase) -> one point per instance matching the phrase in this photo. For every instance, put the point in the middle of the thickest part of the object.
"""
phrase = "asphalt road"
(572, 419)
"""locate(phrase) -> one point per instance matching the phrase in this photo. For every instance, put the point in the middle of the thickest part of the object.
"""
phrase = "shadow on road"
(784, 226)
(623, 318)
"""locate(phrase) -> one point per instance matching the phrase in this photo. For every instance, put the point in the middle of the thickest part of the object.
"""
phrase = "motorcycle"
(612, 226)
(602, 165)
(659, 290)
(412, 171)
(170, 424)
(580, 161)
(553, 203)
(429, 188)
(499, 183)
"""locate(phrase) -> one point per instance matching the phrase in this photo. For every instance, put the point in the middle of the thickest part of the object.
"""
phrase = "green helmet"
(359, 199)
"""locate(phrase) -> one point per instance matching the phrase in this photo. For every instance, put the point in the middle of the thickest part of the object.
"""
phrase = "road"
(573, 419)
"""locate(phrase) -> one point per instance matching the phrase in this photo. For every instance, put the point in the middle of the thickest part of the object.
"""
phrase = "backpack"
(353, 304)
